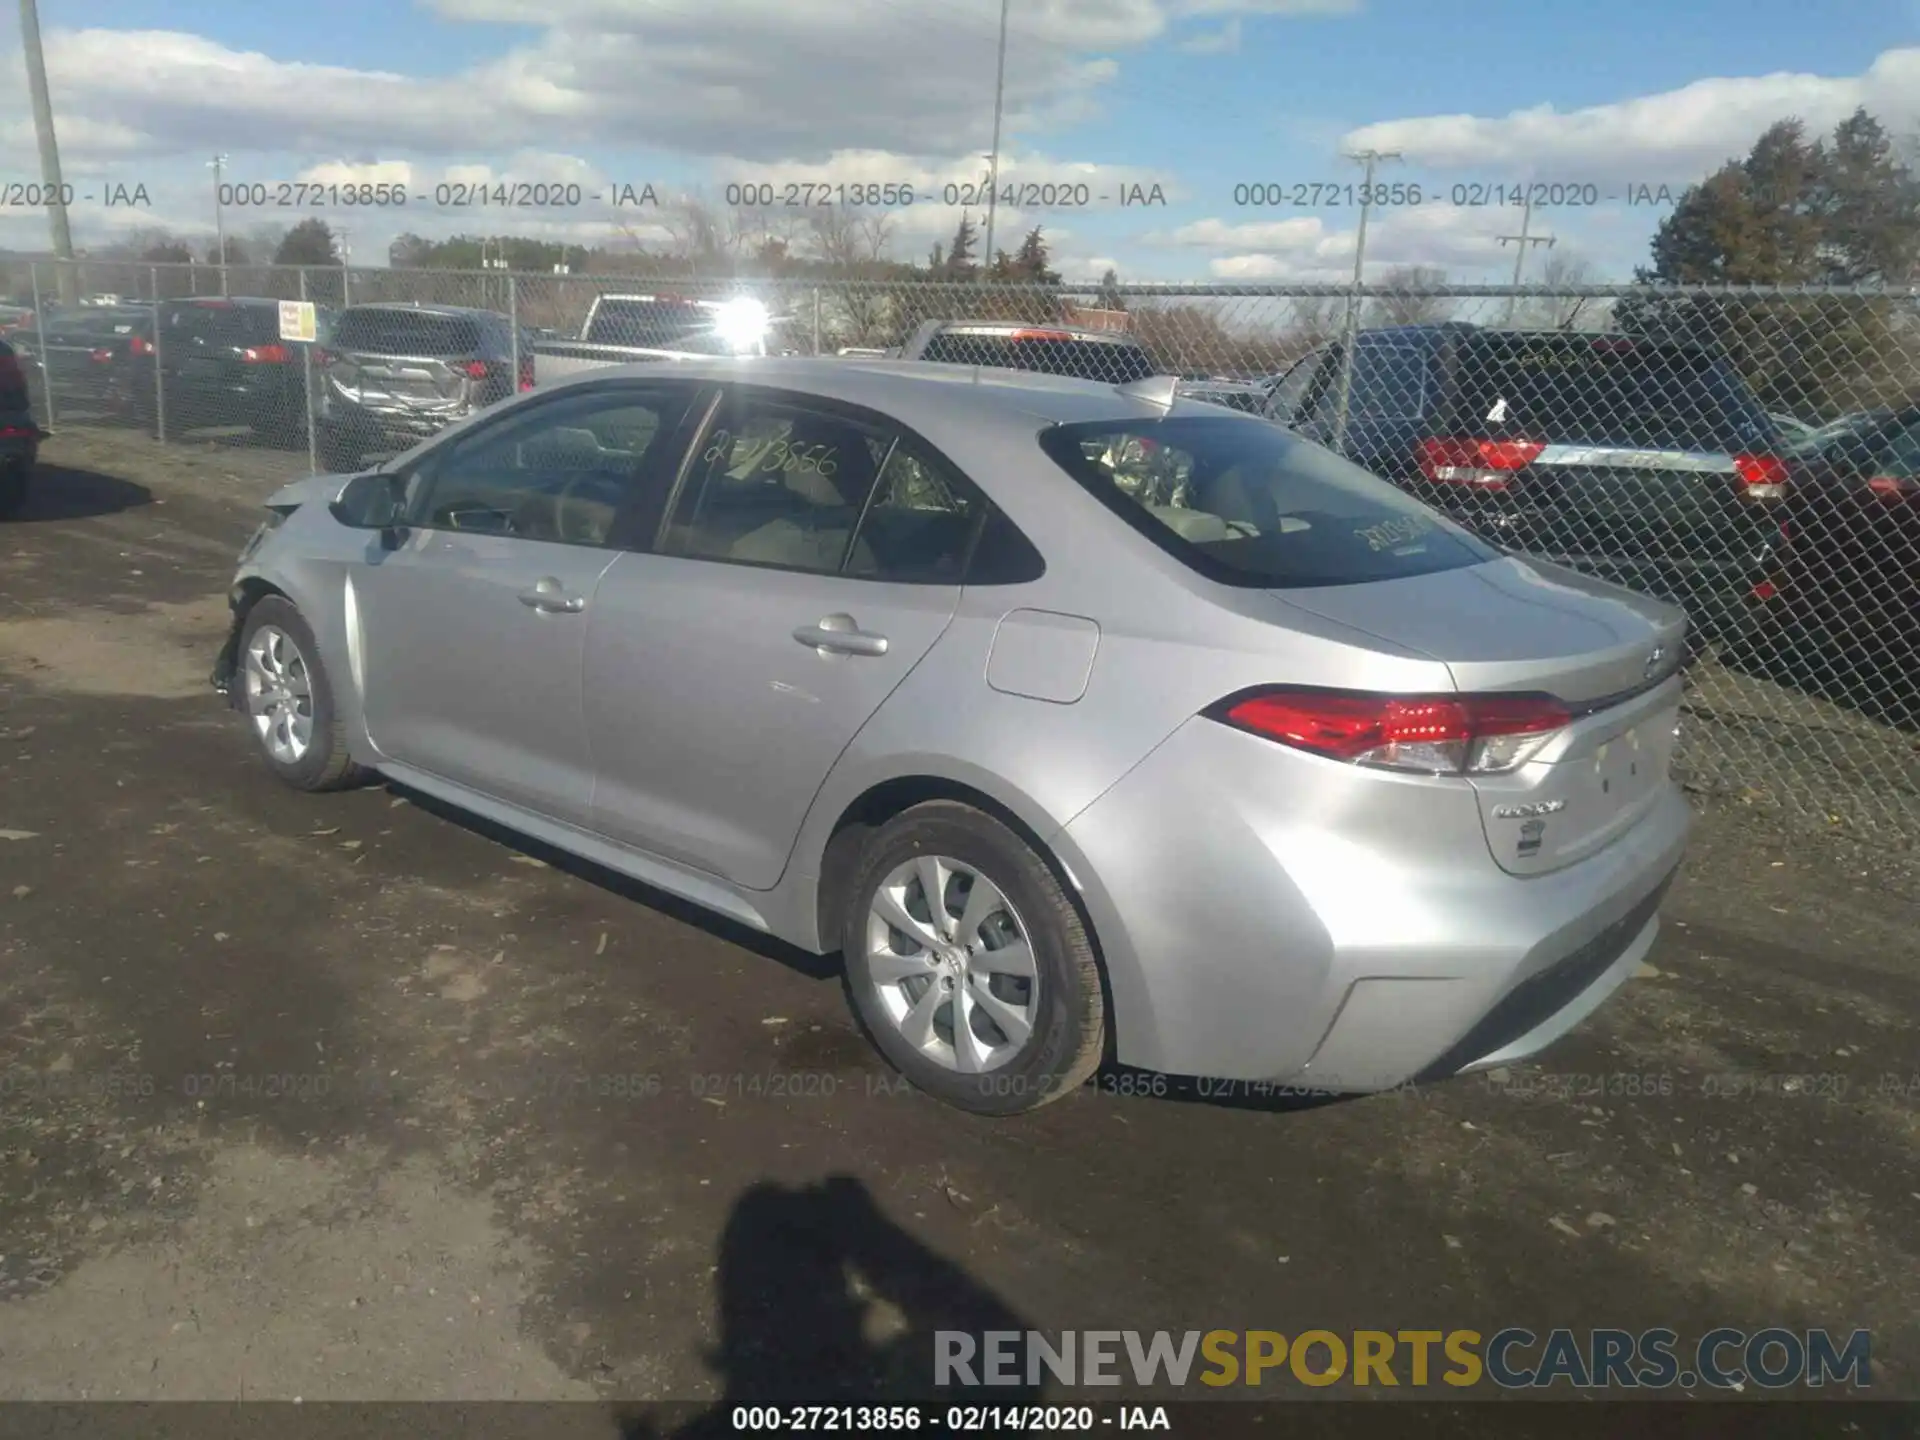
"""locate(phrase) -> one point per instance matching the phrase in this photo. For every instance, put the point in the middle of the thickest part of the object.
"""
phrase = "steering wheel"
(569, 522)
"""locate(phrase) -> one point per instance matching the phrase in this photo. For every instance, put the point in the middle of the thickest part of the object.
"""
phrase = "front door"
(473, 629)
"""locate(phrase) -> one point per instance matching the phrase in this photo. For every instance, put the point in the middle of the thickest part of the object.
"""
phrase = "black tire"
(326, 765)
(13, 489)
(1068, 1033)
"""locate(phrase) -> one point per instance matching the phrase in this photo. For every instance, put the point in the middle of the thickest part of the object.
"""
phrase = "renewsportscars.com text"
(1512, 1359)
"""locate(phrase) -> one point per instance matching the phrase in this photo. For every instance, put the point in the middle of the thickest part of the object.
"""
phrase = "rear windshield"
(1109, 361)
(657, 325)
(1607, 391)
(1250, 504)
(406, 332)
(226, 324)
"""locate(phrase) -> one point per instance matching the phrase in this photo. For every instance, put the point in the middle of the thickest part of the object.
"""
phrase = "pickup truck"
(632, 329)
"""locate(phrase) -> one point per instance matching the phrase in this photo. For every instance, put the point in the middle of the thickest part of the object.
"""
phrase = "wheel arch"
(842, 839)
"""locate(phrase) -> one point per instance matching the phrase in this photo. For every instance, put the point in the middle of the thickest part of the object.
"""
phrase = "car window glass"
(774, 483)
(920, 523)
(1252, 504)
(1288, 394)
(406, 332)
(559, 473)
(1389, 382)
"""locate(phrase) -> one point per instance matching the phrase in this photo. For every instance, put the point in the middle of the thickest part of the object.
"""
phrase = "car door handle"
(547, 596)
(839, 635)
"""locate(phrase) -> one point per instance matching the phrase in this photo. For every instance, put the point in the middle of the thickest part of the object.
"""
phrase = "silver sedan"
(1085, 723)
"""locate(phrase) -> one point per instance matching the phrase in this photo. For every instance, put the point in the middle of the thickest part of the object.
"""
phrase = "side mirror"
(373, 501)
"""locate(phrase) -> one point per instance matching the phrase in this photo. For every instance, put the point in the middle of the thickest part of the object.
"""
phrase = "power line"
(1524, 239)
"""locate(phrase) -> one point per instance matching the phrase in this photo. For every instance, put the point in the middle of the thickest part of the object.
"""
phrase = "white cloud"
(1677, 135)
(1224, 41)
(1308, 248)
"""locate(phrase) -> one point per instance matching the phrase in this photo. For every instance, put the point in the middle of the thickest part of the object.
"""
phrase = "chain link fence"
(1751, 454)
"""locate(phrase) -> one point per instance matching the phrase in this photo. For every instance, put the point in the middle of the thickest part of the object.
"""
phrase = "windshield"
(660, 325)
(223, 324)
(1575, 390)
(407, 332)
(1250, 504)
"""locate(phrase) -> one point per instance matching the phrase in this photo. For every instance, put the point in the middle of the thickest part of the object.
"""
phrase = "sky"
(1216, 118)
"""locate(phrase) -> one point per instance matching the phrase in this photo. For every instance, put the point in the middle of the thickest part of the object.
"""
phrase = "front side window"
(1292, 390)
(1250, 504)
(558, 472)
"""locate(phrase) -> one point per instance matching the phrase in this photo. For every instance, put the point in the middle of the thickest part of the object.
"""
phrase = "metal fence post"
(816, 320)
(40, 338)
(513, 330)
(306, 386)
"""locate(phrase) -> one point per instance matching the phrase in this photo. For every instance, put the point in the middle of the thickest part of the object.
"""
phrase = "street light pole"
(993, 173)
(219, 167)
(67, 280)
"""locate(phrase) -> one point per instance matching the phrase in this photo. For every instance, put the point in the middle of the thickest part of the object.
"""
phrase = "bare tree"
(854, 243)
(1407, 301)
(1564, 270)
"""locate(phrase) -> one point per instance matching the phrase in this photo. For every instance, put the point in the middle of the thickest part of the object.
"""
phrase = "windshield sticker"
(1395, 533)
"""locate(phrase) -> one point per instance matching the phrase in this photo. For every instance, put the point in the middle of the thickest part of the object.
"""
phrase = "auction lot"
(346, 1097)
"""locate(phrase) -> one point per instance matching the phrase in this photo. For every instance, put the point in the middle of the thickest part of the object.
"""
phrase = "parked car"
(628, 329)
(14, 318)
(222, 363)
(20, 434)
(392, 375)
(1648, 464)
(1847, 569)
(1078, 719)
(1104, 355)
(94, 357)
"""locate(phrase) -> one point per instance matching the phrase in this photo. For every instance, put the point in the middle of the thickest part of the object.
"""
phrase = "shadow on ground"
(59, 493)
(825, 1301)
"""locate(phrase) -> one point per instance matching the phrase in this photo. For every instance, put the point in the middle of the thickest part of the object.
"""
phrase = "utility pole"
(1522, 241)
(219, 167)
(1350, 328)
(67, 279)
(993, 173)
(346, 268)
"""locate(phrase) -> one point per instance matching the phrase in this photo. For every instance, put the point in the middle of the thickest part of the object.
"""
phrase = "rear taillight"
(101, 356)
(323, 358)
(1765, 590)
(526, 372)
(1895, 487)
(1761, 477)
(139, 346)
(266, 355)
(1429, 734)
(1486, 464)
(475, 370)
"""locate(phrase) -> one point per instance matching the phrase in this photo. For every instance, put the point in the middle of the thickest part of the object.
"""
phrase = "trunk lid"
(1526, 626)
(404, 358)
(409, 382)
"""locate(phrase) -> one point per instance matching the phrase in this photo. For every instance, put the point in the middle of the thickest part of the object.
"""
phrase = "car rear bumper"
(1267, 915)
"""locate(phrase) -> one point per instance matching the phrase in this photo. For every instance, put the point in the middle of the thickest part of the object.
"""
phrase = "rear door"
(1651, 466)
(728, 670)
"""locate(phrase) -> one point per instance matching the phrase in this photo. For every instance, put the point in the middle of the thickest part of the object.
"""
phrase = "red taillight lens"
(526, 372)
(266, 355)
(1765, 590)
(101, 356)
(1485, 464)
(323, 358)
(1762, 477)
(1434, 735)
(1895, 487)
(140, 346)
(474, 369)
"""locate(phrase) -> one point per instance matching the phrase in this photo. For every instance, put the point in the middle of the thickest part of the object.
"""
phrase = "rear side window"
(657, 325)
(1250, 504)
(1389, 382)
(1579, 390)
(1108, 361)
(1292, 389)
(406, 332)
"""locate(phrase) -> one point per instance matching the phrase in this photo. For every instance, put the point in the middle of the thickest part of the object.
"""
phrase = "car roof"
(916, 392)
(409, 307)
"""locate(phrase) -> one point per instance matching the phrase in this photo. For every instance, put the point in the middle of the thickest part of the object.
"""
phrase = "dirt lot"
(344, 1097)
